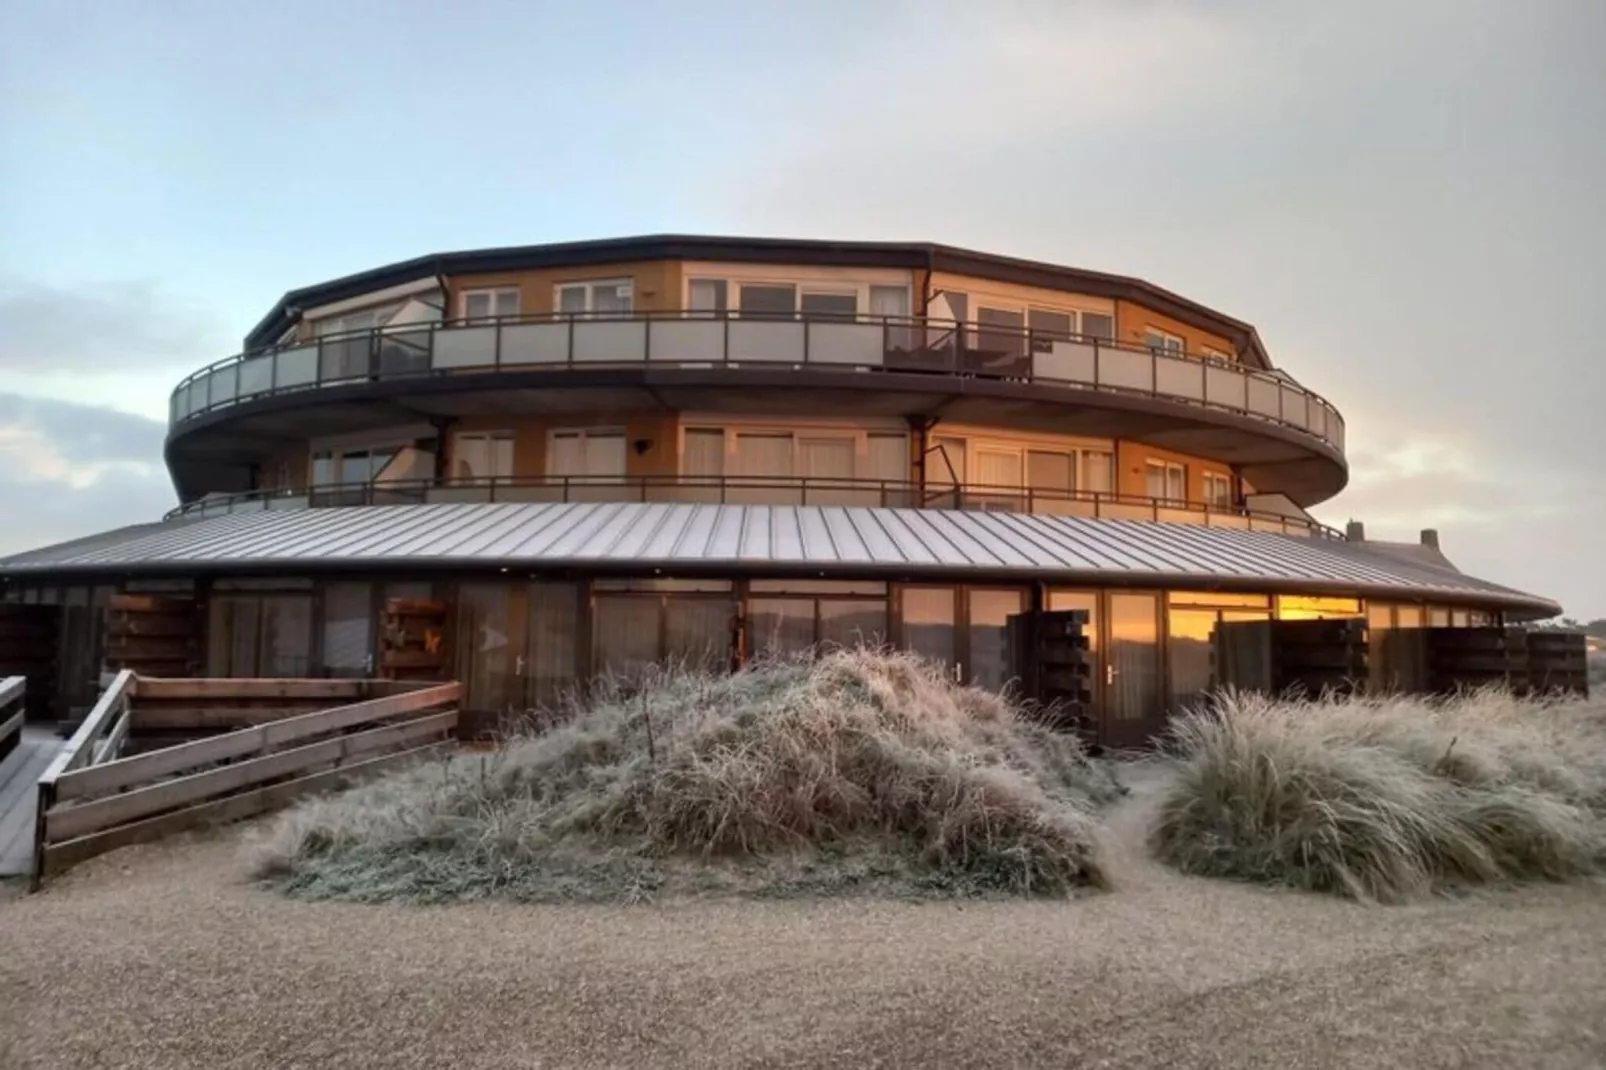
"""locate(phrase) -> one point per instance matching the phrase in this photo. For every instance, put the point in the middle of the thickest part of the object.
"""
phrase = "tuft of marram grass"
(1387, 798)
(859, 769)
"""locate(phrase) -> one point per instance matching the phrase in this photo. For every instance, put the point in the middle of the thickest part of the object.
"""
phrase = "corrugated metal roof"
(758, 538)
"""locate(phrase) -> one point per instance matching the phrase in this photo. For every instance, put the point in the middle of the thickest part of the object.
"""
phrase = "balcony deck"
(705, 340)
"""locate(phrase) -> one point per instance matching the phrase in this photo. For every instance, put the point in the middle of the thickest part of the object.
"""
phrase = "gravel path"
(161, 957)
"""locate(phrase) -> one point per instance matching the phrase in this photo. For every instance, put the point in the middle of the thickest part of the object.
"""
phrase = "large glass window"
(259, 635)
(699, 631)
(596, 453)
(926, 616)
(786, 625)
(1217, 490)
(482, 455)
(602, 297)
(767, 300)
(625, 634)
(988, 662)
(489, 304)
(1001, 330)
(780, 627)
(1167, 481)
(706, 295)
(1307, 607)
(845, 305)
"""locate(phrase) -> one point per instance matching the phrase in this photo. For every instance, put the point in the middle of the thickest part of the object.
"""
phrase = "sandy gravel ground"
(160, 957)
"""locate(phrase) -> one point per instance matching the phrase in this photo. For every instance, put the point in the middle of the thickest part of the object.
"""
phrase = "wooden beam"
(12, 689)
(109, 748)
(56, 858)
(225, 688)
(80, 748)
(169, 717)
(71, 821)
(142, 767)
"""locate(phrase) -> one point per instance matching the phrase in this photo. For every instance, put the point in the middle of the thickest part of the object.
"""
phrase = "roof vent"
(1355, 531)
(1430, 537)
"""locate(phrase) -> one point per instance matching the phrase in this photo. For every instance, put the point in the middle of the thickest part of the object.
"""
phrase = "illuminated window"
(1305, 607)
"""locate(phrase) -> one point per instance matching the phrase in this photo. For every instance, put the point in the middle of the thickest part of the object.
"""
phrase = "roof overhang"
(730, 540)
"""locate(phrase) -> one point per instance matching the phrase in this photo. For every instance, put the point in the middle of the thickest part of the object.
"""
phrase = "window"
(704, 452)
(1050, 325)
(1000, 330)
(1098, 471)
(1167, 481)
(1162, 341)
(1212, 353)
(601, 298)
(1051, 471)
(488, 304)
(597, 453)
(1308, 607)
(1098, 325)
(1218, 490)
(483, 455)
(889, 301)
(372, 464)
(259, 635)
(830, 304)
(366, 320)
(761, 300)
(707, 295)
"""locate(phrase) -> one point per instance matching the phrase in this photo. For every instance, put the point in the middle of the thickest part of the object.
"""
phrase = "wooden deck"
(19, 772)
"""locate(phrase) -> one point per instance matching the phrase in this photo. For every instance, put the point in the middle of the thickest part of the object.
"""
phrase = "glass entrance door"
(1132, 701)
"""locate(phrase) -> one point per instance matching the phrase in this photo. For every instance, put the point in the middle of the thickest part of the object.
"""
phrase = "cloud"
(69, 470)
(99, 327)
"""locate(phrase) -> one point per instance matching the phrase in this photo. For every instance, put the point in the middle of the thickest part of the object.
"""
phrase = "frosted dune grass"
(860, 769)
(1387, 798)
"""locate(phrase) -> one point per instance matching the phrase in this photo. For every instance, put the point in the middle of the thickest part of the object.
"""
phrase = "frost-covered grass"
(860, 770)
(1388, 798)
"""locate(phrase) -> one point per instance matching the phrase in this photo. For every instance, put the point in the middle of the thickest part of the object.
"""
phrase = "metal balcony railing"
(757, 490)
(725, 340)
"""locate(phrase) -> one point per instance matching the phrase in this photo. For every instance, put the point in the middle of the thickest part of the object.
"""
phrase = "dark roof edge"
(915, 255)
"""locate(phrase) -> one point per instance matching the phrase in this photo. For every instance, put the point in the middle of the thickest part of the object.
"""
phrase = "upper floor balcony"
(1282, 436)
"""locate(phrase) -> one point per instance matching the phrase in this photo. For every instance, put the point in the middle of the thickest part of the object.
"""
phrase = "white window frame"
(1213, 353)
(1217, 481)
(1168, 468)
(590, 286)
(585, 433)
(859, 291)
(498, 295)
(1170, 343)
(501, 434)
(859, 436)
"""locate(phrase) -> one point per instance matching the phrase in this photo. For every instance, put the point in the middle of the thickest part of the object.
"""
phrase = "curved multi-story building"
(605, 453)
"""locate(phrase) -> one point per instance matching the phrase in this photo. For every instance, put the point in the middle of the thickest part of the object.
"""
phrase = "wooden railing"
(87, 807)
(12, 712)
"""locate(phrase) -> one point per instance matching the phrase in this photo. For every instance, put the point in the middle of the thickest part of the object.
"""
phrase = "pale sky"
(1408, 199)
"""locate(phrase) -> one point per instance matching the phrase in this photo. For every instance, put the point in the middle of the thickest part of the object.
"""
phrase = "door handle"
(1109, 673)
(518, 665)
